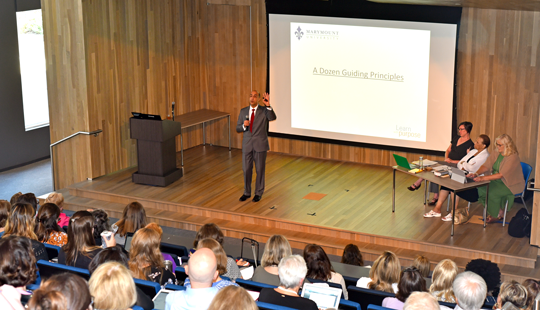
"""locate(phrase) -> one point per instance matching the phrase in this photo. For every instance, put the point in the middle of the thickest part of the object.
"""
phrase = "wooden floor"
(357, 206)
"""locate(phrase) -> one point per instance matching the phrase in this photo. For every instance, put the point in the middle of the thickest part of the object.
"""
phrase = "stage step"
(260, 228)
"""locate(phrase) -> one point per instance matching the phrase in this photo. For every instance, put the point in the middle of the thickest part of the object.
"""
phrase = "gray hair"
(421, 301)
(470, 290)
(292, 271)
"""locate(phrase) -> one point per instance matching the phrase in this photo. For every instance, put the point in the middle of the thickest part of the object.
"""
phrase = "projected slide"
(366, 80)
(369, 81)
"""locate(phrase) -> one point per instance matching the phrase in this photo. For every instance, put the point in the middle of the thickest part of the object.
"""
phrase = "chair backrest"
(174, 287)
(48, 269)
(267, 306)
(180, 274)
(52, 250)
(252, 285)
(148, 287)
(350, 280)
(365, 296)
(179, 250)
(527, 169)
(349, 305)
(137, 308)
(447, 304)
(375, 307)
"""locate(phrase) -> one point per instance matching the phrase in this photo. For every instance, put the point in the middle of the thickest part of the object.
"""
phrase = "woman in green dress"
(506, 178)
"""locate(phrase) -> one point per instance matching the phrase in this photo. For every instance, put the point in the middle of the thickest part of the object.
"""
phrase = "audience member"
(5, 209)
(202, 271)
(221, 259)
(101, 223)
(47, 229)
(112, 287)
(21, 223)
(384, 274)
(81, 247)
(58, 199)
(320, 268)
(423, 265)
(352, 256)
(275, 249)
(133, 219)
(410, 281)
(513, 292)
(443, 277)
(117, 254)
(17, 269)
(29, 198)
(470, 291)
(15, 198)
(233, 297)
(63, 291)
(166, 256)
(533, 289)
(491, 274)
(421, 301)
(145, 259)
(292, 272)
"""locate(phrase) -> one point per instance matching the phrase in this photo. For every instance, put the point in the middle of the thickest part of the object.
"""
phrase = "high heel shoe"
(413, 188)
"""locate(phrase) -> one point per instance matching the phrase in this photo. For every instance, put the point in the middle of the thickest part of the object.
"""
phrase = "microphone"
(173, 111)
(247, 119)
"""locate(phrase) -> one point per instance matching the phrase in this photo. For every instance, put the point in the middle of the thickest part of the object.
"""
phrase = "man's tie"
(251, 120)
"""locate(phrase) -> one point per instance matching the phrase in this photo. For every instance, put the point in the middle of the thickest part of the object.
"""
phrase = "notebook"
(324, 296)
(402, 162)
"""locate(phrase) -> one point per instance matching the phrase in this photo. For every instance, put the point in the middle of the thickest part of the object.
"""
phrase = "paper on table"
(427, 162)
(441, 168)
(247, 273)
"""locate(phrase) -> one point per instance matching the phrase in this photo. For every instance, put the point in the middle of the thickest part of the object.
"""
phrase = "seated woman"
(512, 292)
(275, 249)
(423, 265)
(221, 259)
(457, 150)
(65, 291)
(101, 224)
(18, 265)
(441, 282)
(384, 274)
(166, 256)
(533, 289)
(470, 163)
(410, 281)
(5, 209)
(320, 268)
(292, 272)
(112, 287)
(506, 178)
(145, 259)
(133, 219)
(233, 297)
(352, 256)
(47, 229)
(81, 247)
(58, 199)
(21, 223)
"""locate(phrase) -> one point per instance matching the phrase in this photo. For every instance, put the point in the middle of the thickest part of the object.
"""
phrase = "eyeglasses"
(499, 145)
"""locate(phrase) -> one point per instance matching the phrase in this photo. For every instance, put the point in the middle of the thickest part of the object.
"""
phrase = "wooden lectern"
(156, 151)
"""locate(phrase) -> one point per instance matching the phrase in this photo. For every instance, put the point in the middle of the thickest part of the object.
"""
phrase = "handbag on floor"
(520, 224)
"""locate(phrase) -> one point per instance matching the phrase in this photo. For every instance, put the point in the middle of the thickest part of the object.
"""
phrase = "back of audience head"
(202, 268)
(63, 291)
(15, 198)
(513, 292)
(17, 261)
(317, 262)
(233, 297)
(209, 230)
(352, 256)
(275, 249)
(422, 264)
(80, 237)
(533, 289)
(133, 219)
(421, 301)
(442, 279)
(488, 270)
(410, 281)
(144, 252)
(47, 221)
(292, 271)
(57, 199)
(113, 287)
(470, 290)
(21, 221)
(384, 272)
(221, 256)
(155, 227)
(101, 223)
(5, 209)
(30, 199)
(110, 254)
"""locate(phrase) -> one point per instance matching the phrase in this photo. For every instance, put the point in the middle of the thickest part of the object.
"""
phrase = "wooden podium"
(156, 151)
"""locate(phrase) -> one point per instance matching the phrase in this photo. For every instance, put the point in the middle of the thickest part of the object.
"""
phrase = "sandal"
(491, 219)
(432, 214)
(447, 218)
(433, 202)
(413, 187)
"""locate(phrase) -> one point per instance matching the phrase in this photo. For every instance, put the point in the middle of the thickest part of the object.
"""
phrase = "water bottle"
(421, 163)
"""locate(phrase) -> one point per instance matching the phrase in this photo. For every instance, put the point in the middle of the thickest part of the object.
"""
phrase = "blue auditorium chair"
(375, 307)
(267, 306)
(52, 250)
(48, 269)
(252, 285)
(349, 305)
(148, 287)
(366, 297)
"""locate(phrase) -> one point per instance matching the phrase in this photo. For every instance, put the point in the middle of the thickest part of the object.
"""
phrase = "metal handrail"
(95, 133)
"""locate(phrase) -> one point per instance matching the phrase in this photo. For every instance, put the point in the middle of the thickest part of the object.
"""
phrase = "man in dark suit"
(253, 122)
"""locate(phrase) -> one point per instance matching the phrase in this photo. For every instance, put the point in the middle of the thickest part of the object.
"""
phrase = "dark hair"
(133, 219)
(47, 221)
(467, 125)
(317, 262)
(410, 281)
(5, 208)
(110, 254)
(485, 140)
(30, 199)
(533, 289)
(101, 222)
(17, 261)
(209, 230)
(488, 270)
(63, 291)
(352, 256)
(80, 238)
(15, 198)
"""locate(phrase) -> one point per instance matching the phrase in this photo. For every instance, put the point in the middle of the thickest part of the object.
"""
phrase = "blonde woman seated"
(384, 274)
(441, 282)
(112, 287)
(221, 259)
(233, 297)
(512, 292)
(276, 248)
(471, 163)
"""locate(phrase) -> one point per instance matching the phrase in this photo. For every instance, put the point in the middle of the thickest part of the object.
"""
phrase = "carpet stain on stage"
(314, 196)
